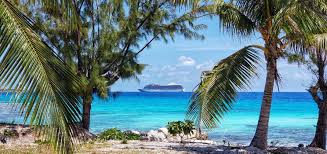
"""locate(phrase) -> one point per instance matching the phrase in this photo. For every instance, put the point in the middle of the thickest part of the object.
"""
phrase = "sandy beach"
(21, 139)
(145, 147)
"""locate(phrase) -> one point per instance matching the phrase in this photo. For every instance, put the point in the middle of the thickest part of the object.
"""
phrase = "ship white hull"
(159, 90)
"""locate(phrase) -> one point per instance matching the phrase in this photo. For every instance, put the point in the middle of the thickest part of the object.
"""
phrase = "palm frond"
(187, 3)
(44, 87)
(218, 89)
(321, 41)
(301, 18)
(233, 20)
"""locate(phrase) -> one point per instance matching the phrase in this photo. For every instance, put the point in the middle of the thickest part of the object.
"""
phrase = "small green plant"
(10, 133)
(116, 134)
(132, 136)
(42, 142)
(111, 134)
(180, 128)
(124, 141)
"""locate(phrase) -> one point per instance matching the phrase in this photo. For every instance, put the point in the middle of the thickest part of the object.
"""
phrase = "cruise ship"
(161, 88)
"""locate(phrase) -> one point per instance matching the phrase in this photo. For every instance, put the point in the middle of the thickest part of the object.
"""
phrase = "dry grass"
(86, 148)
(24, 149)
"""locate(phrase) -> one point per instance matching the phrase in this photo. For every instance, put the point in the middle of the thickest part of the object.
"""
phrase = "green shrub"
(124, 141)
(132, 136)
(180, 128)
(116, 134)
(111, 134)
(10, 133)
(41, 142)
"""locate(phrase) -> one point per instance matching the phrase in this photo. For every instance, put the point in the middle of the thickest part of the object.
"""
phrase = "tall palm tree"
(42, 85)
(279, 22)
(313, 54)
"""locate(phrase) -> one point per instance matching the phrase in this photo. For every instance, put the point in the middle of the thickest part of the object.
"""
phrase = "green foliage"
(280, 24)
(42, 142)
(116, 134)
(105, 45)
(97, 40)
(131, 136)
(10, 133)
(124, 141)
(218, 88)
(42, 85)
(111, 134)
(188, 127)
(180, 127)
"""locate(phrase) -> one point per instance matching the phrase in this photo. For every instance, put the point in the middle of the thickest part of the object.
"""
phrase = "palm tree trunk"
(260, 138)
(87, 100)
(320, 136)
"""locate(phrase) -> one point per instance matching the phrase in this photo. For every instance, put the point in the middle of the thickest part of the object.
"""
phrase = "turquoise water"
(293, 115)
(292, 120)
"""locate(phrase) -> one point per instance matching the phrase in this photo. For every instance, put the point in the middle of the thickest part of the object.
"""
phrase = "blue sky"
(182, 62)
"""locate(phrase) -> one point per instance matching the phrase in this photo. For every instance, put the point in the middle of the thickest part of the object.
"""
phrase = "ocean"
(293, 115)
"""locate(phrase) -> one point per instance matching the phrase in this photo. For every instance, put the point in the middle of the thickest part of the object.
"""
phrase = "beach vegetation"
(10, 133)
(124, 141)
(103, 47)
(180, 128)
(41, 142)
(116, 134)
(56, 55)
(279, 23)
(38, 79)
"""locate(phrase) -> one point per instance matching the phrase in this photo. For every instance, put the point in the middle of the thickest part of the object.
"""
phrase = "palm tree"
(312, 53)
(279, 22)
(43, 86)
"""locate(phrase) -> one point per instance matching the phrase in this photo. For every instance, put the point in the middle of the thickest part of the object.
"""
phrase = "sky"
(182, 62)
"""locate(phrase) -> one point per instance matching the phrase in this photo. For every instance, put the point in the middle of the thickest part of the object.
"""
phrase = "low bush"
(10, 133)
(124, 141)
(41, 142)
(132, 136)
(116, 134)
(180, 128)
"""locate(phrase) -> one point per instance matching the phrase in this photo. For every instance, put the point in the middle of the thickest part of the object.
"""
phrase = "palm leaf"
(186, 2)
(233, 20)
(44, 87)
(218, 89)
(304, 18)
(321, 41)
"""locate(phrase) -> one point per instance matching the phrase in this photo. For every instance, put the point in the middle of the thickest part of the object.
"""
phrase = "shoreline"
(154, 147)
(26, 142)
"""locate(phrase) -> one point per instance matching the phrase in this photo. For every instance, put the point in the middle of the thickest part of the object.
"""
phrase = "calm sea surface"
(292, 121)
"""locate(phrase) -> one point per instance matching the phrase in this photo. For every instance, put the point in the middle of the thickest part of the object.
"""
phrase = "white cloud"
(186, 61)
(168, 68)
(205, 66)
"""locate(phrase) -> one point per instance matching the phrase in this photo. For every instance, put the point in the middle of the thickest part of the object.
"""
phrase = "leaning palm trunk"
(260, 138)
(320, 136)
(319, 139)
